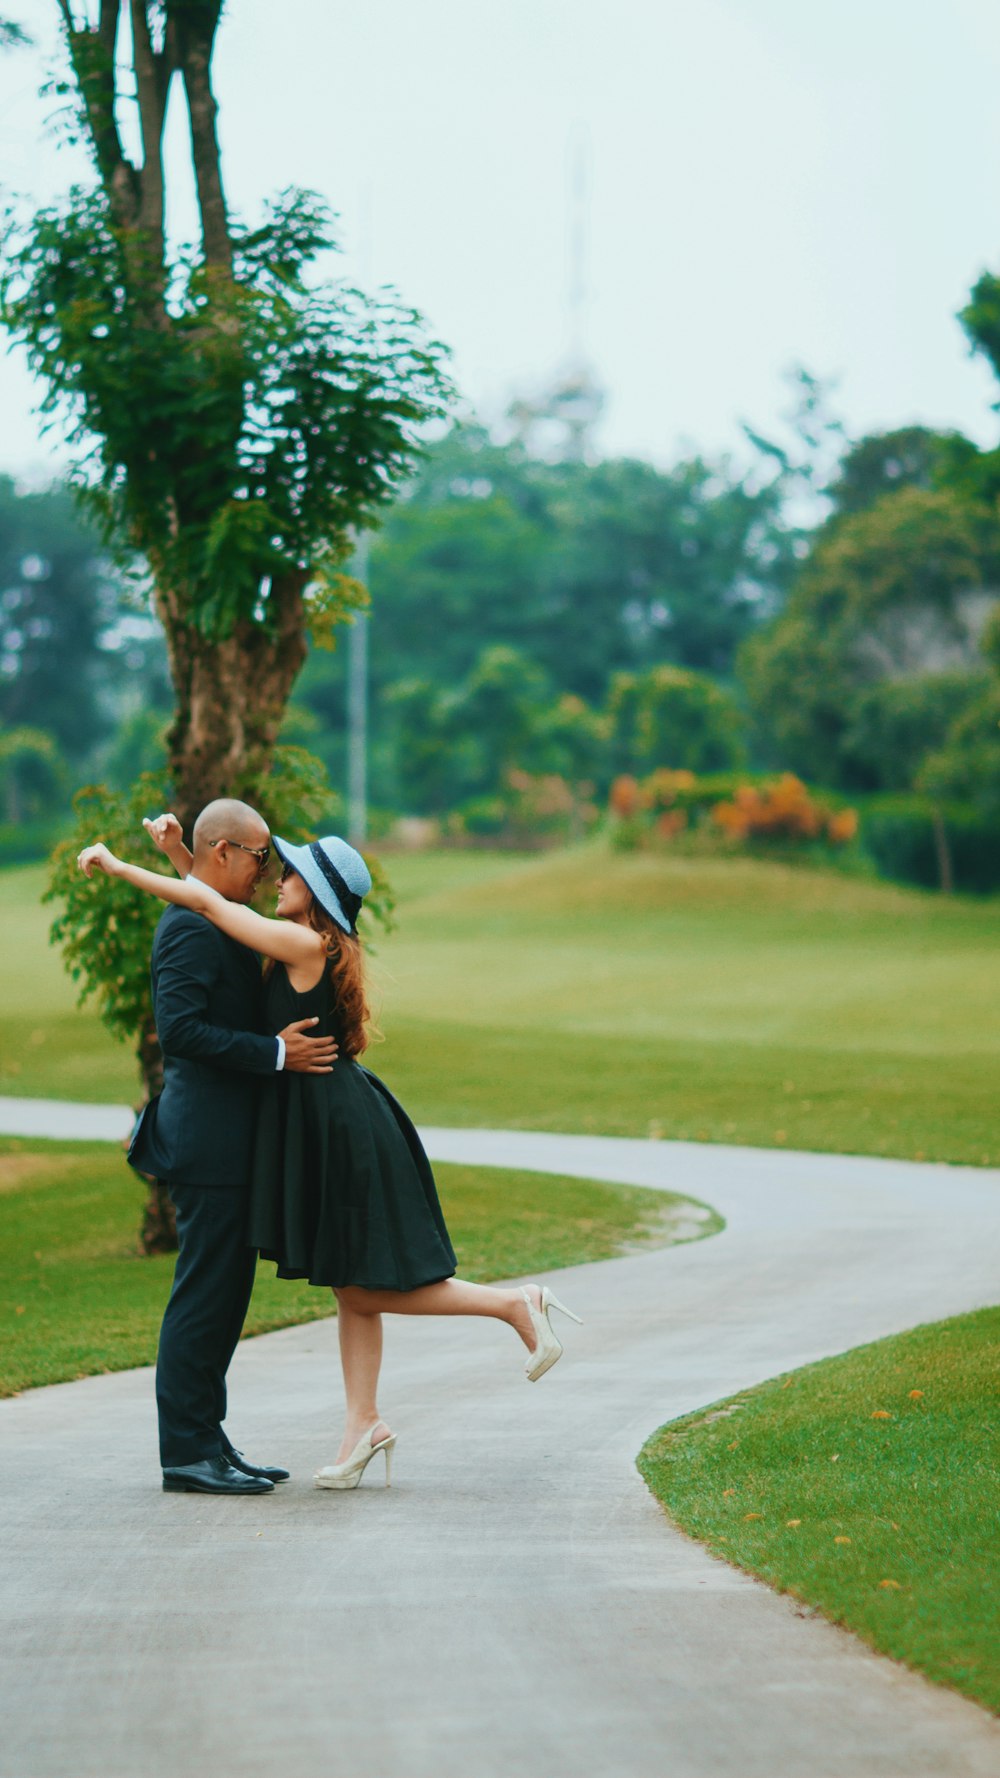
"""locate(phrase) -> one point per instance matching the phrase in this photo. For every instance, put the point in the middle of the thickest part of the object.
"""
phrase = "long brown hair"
(345, 974)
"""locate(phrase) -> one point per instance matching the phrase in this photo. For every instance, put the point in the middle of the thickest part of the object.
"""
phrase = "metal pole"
(357, 635)
(357, 710)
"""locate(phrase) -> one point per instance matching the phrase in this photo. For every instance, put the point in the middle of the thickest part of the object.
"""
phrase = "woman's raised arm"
(283, 940)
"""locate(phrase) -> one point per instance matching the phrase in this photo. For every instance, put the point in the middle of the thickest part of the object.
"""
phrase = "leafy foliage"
(588, 570)
(670, 717)
(584, 572)
(32, 772)
(106, 931)
(891, 591)
(894, 725)
(884, 462)
(243, 429)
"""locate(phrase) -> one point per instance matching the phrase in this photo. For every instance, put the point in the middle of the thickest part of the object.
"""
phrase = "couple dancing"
(282, 1144)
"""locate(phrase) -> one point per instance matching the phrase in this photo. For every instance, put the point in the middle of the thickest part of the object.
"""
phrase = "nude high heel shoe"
(348, 1474)
(548, 1349)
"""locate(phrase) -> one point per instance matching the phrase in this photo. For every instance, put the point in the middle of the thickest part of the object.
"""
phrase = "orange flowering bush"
(783, 810)
(745, 811)
(626, 797)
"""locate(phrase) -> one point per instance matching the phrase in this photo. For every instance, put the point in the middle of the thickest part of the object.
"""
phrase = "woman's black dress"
(342, 1191)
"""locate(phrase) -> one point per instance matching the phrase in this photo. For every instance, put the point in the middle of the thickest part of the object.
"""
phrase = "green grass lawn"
(865, 1486)
(718, 1000)
(75, 1298)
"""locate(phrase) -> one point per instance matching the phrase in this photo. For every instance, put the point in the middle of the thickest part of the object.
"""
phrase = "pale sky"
(772, 182)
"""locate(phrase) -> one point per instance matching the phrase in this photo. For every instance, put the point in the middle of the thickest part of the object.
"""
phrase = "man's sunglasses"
(261, 853)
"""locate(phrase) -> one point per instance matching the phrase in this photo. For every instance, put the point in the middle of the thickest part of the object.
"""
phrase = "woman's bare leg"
(360, 1360)
(453, 1296)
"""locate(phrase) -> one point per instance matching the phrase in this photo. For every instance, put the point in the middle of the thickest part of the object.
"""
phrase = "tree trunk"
(158, 1231)
(196, 57)
(231, 696)
(946, 873)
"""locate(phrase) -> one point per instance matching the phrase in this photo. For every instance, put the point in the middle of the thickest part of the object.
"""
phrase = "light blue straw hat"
(337, 875)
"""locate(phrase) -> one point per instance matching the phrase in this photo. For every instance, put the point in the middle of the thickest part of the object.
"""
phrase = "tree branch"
(107, 28)
(195, 41)
(151, 93)
(92, 54)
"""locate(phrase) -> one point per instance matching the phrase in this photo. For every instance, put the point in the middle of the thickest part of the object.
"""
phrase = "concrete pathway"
(516, 1602)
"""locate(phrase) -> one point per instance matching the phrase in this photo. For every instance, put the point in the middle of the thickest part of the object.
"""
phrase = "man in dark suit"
(197, 1136)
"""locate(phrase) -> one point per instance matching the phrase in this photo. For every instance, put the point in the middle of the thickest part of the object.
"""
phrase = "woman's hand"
(167, 836)
(98, 858)
(165, 832)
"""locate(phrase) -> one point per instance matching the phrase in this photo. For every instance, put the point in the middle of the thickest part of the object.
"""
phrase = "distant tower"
(559, 421)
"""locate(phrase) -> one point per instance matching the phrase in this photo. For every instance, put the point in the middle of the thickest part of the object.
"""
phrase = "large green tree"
(884, 462)
(897, 590)
(238, 419)
(966, 766)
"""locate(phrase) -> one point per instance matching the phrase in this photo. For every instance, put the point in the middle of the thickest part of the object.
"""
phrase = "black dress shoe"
(268, 1471)
(213, 1475)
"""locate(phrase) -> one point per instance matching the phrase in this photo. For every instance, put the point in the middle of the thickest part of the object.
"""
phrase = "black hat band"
(350, 902)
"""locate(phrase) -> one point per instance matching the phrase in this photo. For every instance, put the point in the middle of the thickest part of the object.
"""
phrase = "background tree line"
(580, 620)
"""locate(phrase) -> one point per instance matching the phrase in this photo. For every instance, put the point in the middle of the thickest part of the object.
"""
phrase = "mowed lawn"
(715, 1000)
(865, 1486)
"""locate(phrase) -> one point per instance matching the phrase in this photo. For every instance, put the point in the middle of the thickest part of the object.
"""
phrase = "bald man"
(197, 1137)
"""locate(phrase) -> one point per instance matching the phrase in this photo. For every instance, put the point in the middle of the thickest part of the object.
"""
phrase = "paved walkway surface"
(516, 1602)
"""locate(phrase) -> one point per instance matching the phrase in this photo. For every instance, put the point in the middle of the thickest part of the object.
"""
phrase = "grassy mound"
(865, 1486)
(711, 999)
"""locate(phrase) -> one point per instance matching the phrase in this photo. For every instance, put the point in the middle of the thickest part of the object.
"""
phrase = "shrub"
(785, 810)
(739, 809)
(932, 845)
(532, 810)
(27, 842)
(672, 712)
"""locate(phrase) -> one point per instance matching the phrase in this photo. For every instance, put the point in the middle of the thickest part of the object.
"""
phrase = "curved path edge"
(517, 1598)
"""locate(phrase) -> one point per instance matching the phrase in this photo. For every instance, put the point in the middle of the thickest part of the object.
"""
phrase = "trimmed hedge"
(911, 841)
(28, 842)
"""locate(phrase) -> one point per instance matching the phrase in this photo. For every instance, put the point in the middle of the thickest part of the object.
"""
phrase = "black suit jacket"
(208, 1007)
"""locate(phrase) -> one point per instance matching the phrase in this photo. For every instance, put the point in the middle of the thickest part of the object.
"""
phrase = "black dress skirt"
(342, 1191)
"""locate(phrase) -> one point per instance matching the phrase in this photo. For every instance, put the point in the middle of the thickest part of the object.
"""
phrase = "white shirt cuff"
(280, 1063)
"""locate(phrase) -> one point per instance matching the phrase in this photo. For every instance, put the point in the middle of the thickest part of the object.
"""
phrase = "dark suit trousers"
(203, 1320)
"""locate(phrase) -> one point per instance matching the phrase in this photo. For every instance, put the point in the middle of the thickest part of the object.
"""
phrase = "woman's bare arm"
(168, 838)
(283, 940)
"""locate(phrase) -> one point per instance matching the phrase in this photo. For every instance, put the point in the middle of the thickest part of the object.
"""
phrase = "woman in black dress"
(342, 1191)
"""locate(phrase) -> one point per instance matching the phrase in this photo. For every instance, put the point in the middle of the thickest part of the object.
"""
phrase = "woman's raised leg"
(452, 1296)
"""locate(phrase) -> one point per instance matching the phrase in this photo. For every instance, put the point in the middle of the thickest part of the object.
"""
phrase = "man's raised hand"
(308, 1055)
